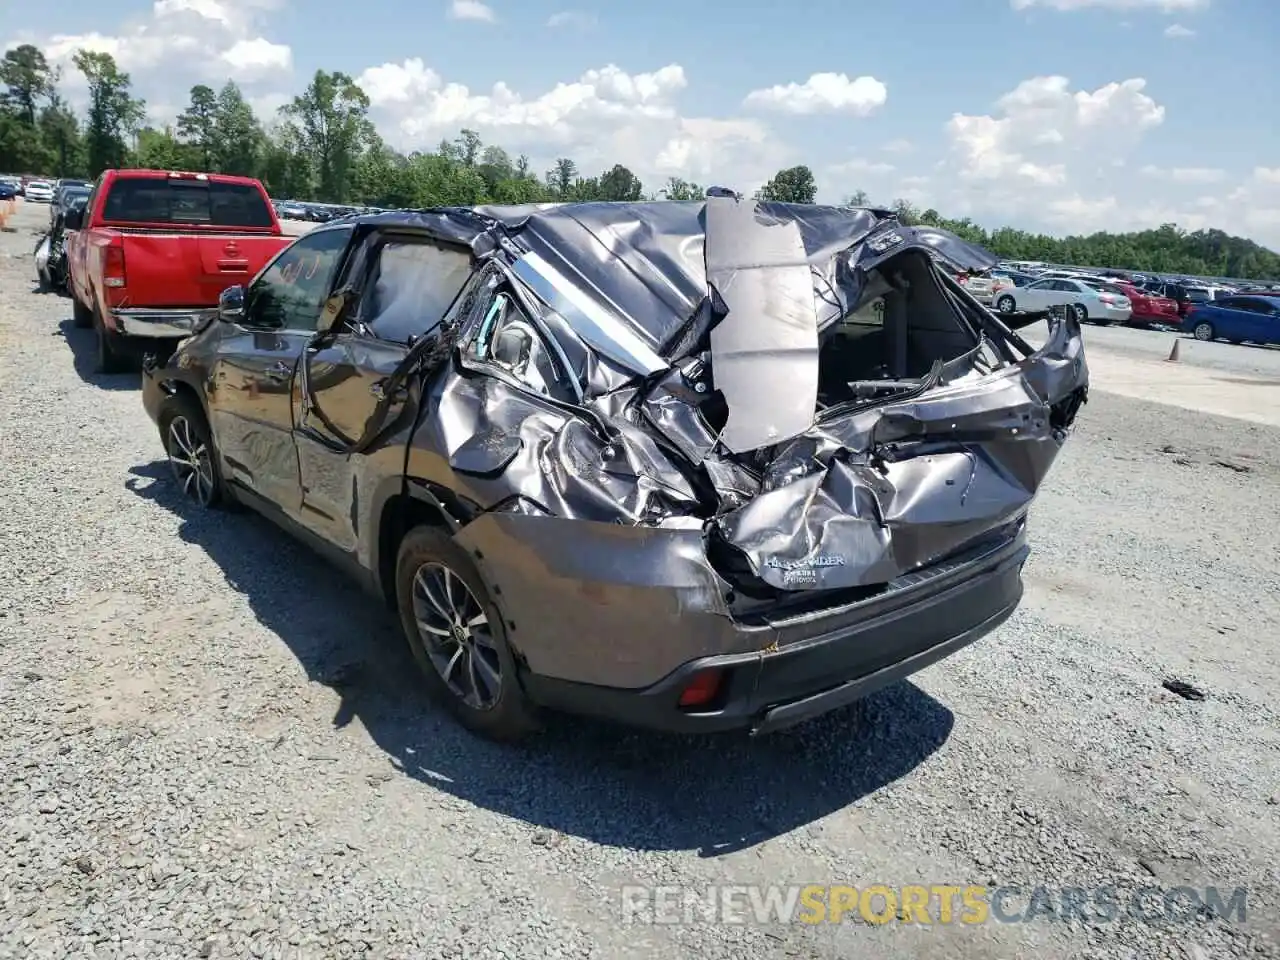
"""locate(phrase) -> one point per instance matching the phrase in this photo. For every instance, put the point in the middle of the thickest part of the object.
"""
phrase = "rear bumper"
(159, 323)
(1114, 314)
(773, 689)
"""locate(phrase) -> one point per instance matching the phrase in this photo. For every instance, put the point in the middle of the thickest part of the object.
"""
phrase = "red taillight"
(113, 267)
(702, 689)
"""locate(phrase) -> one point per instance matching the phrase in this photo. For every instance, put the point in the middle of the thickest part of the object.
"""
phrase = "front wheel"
(192, 456)
(1204, 331)
(458, 636)
(1006, 304)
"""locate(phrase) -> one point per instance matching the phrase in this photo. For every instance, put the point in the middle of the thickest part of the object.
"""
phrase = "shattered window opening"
(412, 287)
(508, 339)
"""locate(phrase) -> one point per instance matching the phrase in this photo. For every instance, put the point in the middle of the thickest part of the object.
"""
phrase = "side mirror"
(231, 305)
(335, 311)
(73, 219)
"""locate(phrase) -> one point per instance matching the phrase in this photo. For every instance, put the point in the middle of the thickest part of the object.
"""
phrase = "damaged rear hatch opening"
(799, 470)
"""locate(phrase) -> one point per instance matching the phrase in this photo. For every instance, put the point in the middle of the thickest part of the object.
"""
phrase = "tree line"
(323, 146)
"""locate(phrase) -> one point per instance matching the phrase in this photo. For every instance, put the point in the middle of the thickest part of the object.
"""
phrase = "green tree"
(677, 189)
(562, 177)
(619, 183)
(162, 150)
(332, 128)
(114, 114)
(27, 79)
(858, 198)
(60, 134)
(239, 135)
(905, 211)
(793, 185)
(198, 124)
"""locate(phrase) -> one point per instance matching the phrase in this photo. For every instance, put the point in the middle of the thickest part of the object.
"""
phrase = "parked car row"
(1237, 318)
(581, 489)
(1208, 313)
(317, 212)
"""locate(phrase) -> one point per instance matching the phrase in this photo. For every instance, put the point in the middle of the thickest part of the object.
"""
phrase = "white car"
(40, 191)
(1095, 303)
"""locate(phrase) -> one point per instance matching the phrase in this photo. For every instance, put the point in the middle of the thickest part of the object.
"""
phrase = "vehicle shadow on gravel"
(83, 350)
(588, 779)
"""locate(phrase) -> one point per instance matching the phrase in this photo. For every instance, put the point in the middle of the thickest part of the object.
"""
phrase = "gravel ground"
(213, 745)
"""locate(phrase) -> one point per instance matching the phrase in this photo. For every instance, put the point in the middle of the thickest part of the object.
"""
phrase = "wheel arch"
(419, 503)
(175, 386)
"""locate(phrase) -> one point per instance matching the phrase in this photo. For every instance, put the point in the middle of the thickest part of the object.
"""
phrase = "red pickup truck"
(153, 249)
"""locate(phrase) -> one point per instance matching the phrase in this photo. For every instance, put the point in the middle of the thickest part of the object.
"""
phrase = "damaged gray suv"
(693, 466)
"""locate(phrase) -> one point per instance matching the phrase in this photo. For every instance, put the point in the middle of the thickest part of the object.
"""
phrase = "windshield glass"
(145, 200)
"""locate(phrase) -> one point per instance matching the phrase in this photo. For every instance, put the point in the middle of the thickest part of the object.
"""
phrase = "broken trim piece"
(593, 322)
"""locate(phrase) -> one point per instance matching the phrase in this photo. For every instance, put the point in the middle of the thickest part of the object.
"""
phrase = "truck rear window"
(137, 200)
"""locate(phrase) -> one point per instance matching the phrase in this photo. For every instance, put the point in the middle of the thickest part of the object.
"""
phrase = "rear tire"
(81, 316)
(1082, 314)
(458, 637)
(109, 357)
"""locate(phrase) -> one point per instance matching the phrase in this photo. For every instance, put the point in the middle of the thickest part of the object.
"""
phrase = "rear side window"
(412, 286)
(137, 200)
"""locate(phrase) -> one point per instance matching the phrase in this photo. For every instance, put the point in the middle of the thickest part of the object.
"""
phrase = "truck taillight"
(113, 267)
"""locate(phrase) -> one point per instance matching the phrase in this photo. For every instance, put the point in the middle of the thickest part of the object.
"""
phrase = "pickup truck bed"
(154, 249)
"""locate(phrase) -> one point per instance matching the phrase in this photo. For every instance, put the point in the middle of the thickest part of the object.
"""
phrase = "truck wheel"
(110, 356)
(192, 456)
(458, 636)
(81, 316)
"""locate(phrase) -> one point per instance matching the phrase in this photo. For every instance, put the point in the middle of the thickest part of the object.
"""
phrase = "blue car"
(1238, 318)
(7, 190)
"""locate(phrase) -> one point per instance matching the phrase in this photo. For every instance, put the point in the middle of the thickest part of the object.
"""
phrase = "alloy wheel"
(456, 636)
(1081, 313)
(1203, 331)
(190, 460)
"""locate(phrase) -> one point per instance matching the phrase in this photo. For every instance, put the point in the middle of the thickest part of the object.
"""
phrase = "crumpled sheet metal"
(647, 261)
(842, 507)
(502, 443)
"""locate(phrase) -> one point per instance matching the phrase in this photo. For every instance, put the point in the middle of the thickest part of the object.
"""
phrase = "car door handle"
(279, 371)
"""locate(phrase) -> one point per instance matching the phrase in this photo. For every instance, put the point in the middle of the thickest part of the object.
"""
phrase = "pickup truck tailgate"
(168, 270)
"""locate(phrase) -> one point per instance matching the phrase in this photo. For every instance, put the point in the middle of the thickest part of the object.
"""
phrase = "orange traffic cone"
(1173, 354)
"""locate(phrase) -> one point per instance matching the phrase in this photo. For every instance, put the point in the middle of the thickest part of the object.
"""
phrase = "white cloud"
(1042, 123)
(858, 166)
(177, 44)
(1184, 174)
(1164, 6)
(471, 10)
(575, 19)
(606, 116)
(823, 93)
(258, 56)
(1056, 159)
(898, 146)
(1176, 31)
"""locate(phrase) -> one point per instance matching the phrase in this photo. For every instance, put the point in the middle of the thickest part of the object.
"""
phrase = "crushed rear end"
(815, 484)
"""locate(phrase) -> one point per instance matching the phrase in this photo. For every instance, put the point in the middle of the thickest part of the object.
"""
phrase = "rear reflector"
(702, 689)
(113, 274)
